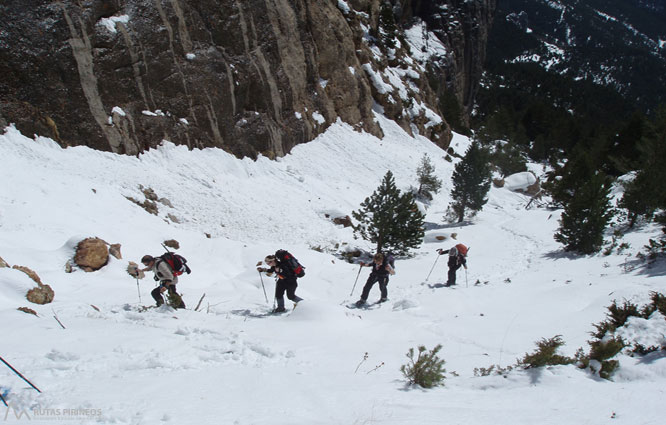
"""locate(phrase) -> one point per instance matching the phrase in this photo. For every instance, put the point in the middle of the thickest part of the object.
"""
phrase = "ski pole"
(466, 282)
(19, 374)
(354, 287)
(263, 287)
(138, 290)
(3, 400)
(433, 267)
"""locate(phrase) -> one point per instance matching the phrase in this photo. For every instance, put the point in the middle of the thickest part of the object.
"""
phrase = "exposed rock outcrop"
(114, 249)
(31, 273)
(250, 77)
(343, 221)
(91, 254)
(172, 243)
(42, 294)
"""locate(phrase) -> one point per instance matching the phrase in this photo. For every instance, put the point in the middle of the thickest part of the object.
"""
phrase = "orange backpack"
(459, 249)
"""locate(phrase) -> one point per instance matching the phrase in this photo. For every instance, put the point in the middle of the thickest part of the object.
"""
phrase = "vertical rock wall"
(247, 76)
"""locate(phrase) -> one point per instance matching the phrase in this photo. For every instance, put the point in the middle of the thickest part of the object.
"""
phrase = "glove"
(362, 264)
(261, 269)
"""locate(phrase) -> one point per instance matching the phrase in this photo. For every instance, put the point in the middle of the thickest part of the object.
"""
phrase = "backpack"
(390, 260)
(458, 249)
(292, 263)
(178, 263)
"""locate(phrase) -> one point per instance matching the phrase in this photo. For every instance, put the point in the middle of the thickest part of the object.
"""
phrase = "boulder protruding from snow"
(91, 254)
(42, 294)
(3, 263)
(114, 249)
(172, 243)
(31, 273)
(343, 221)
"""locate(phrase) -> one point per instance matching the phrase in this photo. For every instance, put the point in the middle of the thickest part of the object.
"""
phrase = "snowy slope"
(222, 364)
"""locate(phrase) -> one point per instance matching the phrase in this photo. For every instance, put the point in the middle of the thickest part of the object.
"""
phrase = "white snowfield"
(224, 365)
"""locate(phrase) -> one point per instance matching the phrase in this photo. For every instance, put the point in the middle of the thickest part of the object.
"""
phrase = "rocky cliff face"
(248, 76)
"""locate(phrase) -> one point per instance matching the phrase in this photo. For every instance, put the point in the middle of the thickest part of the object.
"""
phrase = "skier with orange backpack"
(457, 258)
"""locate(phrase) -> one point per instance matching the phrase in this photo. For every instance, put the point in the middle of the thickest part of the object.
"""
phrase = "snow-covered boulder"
(522, 182)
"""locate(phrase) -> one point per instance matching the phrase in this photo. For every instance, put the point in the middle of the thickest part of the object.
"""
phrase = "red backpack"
(292, 263)
(178, 263)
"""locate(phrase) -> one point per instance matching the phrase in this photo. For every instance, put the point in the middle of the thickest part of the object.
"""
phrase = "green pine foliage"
(658, 304)
(428, 181)
(508, 158)
(603, 351)
(604, 346)
(387, 26)
(452, 111)
(616, 317)
(390, 219)
(471, 182)
(564, 180)
(546, 354)
(426, 369)
(645, 195)
(174, 300)
(586, 216)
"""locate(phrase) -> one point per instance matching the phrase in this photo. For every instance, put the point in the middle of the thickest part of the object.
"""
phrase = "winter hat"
(269, 258)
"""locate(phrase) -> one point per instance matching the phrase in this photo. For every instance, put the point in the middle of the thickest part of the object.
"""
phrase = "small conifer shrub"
(426, 370)
(602, 351)
(658, 303)
(546, 354)
(493, 370)
(429, 183)
(174, 300)
(617, 316)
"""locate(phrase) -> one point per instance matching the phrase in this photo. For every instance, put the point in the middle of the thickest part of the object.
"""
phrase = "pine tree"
(471, 182)
(646, 193)
(581, 166)
(390, 219)
(387, 27)
(586, 216)
(428, 182)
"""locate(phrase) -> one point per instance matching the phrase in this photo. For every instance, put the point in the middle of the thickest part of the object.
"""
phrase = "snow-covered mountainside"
(619, 44)
(322, 363)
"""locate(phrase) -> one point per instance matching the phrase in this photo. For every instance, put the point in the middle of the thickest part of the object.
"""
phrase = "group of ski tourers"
(168, 267)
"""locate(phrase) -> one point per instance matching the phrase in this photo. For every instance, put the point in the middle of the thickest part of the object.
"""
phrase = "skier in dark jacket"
(381, 270)
(165, 276)
(286, 281)
(457, 258)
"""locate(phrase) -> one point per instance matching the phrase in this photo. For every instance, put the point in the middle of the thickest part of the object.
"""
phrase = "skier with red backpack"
(288, 269)
(167, 268)
(457, 258)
